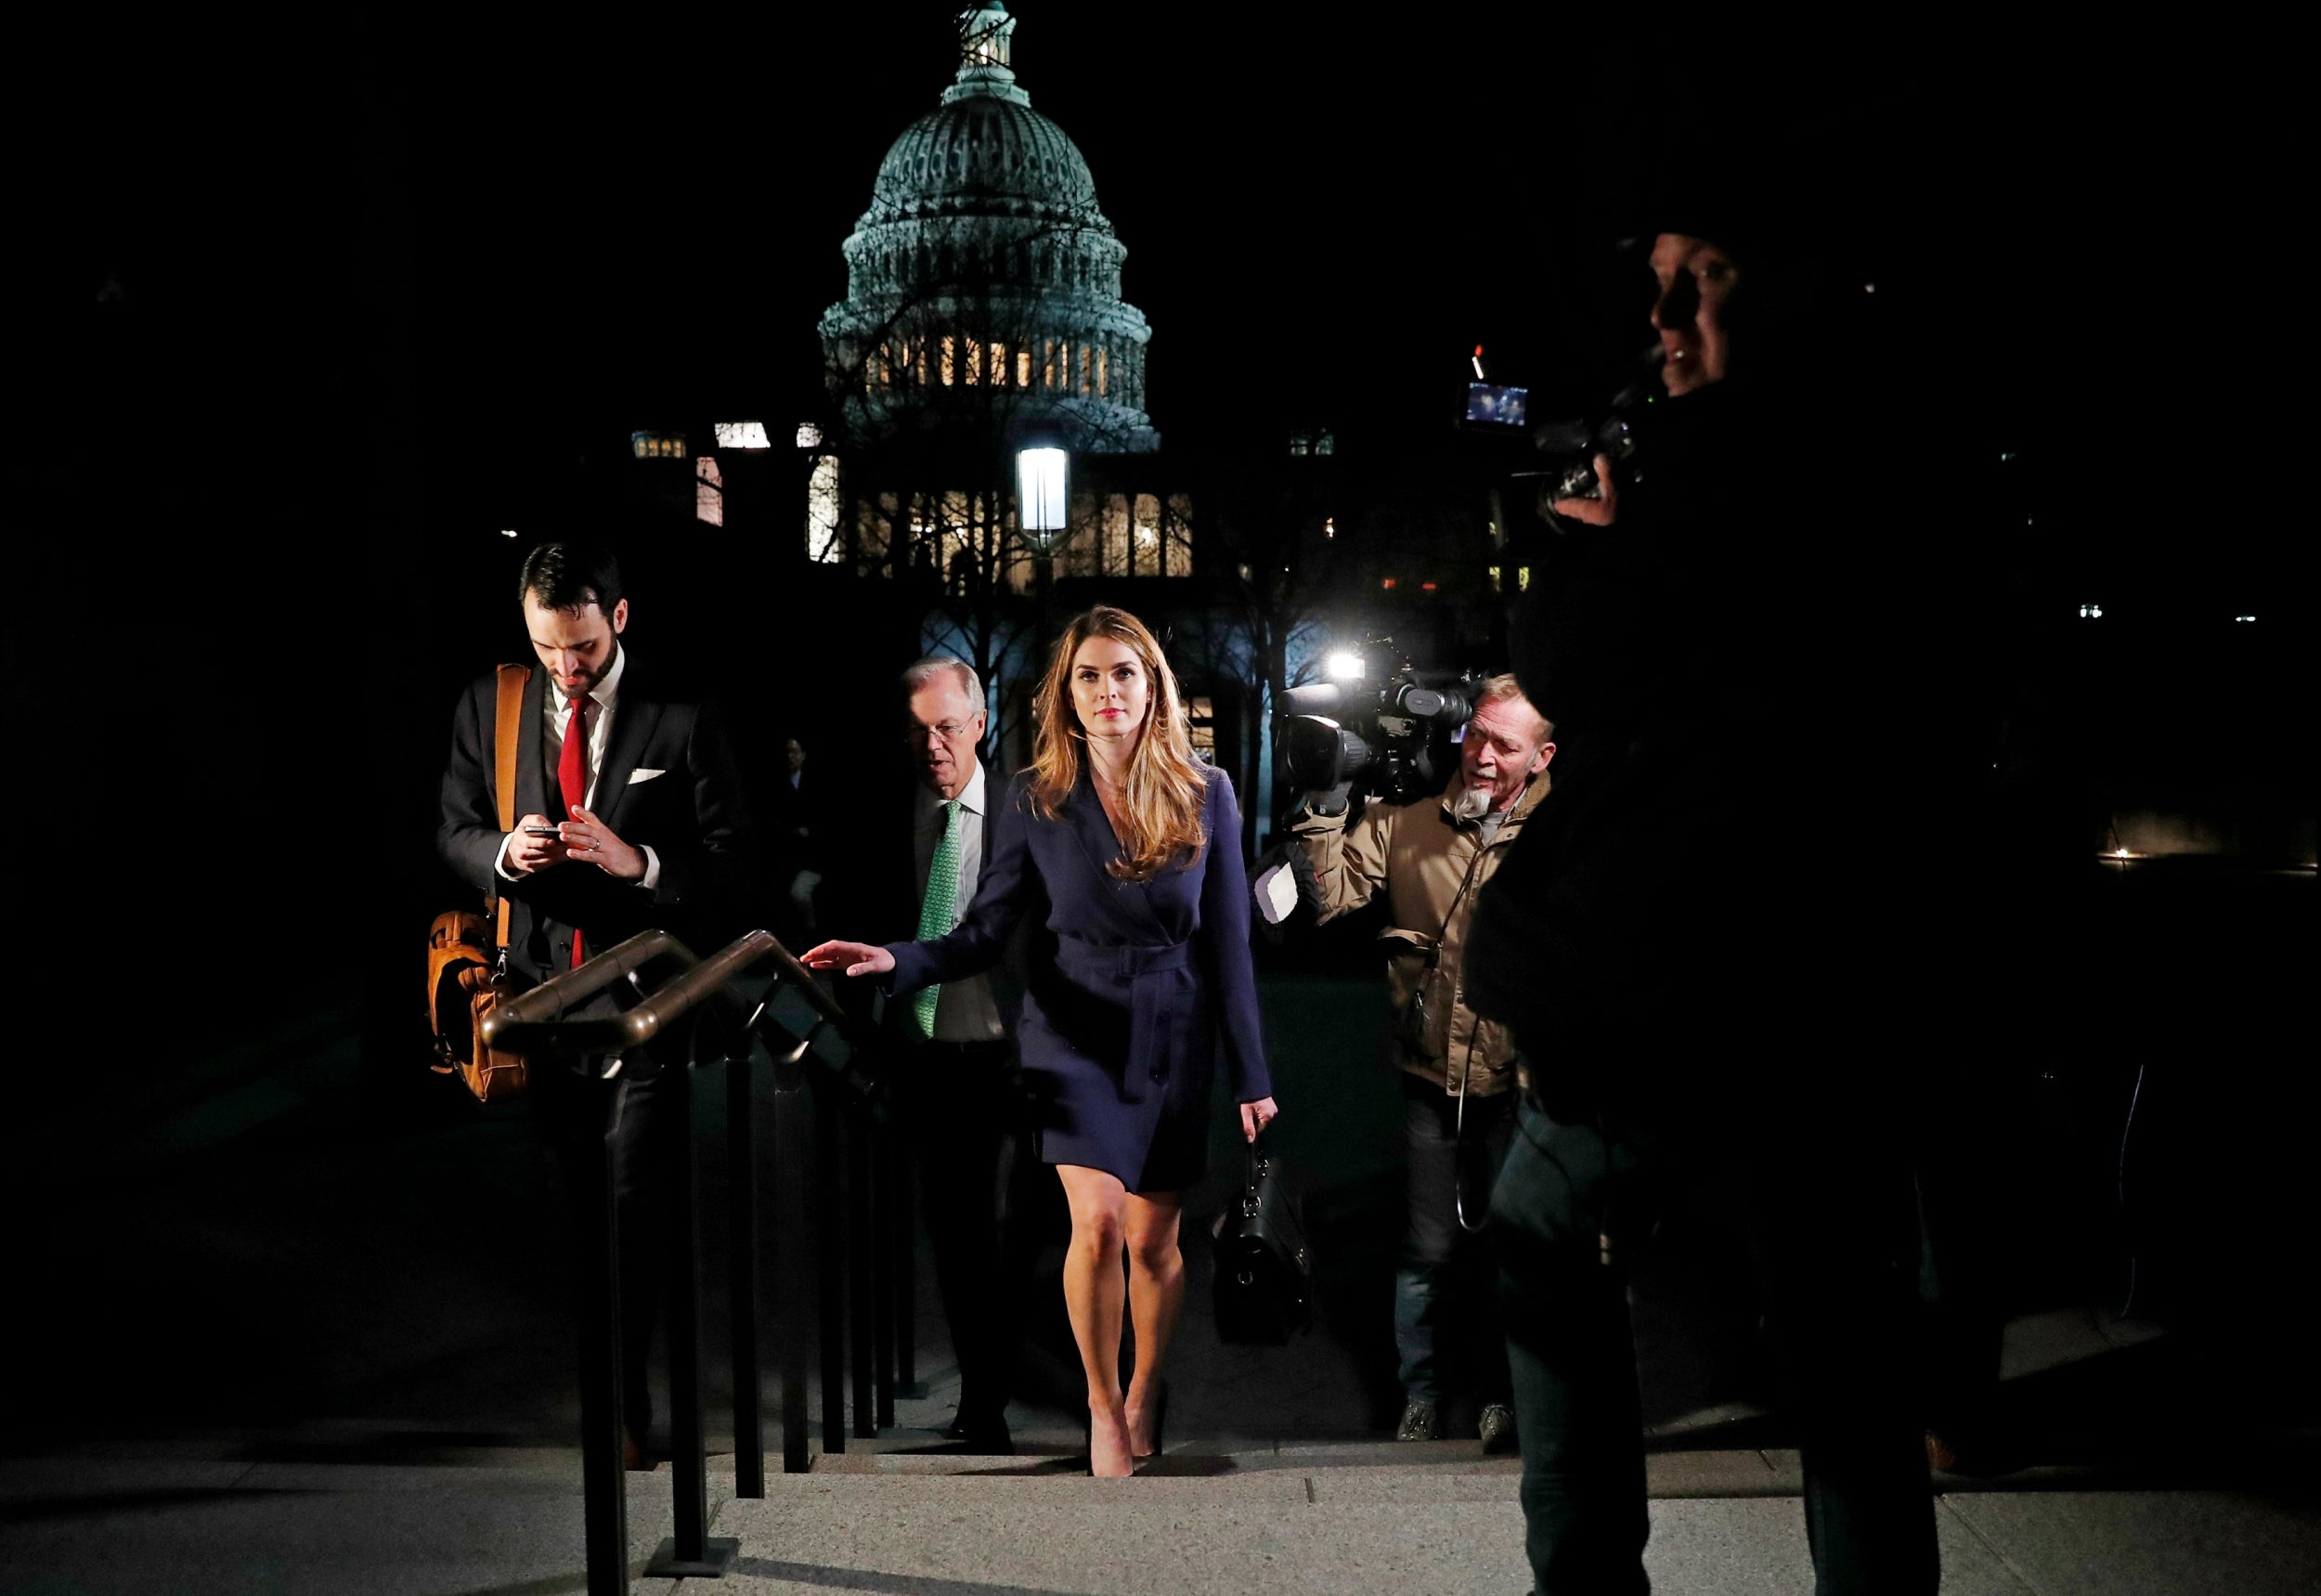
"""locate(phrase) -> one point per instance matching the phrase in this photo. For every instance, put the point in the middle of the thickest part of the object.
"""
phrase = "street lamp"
(1041, 476)
(1043, 483)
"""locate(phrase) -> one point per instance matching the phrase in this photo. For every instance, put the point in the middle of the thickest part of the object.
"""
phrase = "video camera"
(1571, 447)
(1393, 739)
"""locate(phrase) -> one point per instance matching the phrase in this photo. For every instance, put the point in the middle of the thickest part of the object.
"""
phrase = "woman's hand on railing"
(855, 959)
(1256, 1116)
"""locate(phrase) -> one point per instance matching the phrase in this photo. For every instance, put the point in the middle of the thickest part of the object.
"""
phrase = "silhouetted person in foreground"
(1701, 925)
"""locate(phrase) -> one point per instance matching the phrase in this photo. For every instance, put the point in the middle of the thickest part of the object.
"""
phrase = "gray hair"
(1504, 689)
(925, 670)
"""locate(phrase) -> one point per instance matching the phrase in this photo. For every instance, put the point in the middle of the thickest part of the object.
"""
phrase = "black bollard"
(861, 1264)
(882, 1206)
(906, 1262)
(691, 1551)
(792, 1281)
(741, 1141)
(830, 1258)
(603, 1491)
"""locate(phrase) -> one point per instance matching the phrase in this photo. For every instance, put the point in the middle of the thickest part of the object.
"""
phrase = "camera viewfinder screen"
(1494, 404)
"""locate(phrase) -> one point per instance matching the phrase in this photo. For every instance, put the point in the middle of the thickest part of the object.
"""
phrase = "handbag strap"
(1253, 1168)
(512, 679)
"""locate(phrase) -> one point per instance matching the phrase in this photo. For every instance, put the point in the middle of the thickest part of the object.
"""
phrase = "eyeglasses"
(949, 730)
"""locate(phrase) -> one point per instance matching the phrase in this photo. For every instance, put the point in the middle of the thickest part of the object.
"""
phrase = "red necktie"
(572, 778)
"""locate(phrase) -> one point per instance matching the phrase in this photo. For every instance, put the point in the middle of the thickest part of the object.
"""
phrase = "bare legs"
(1093, 1293)
(1156, 1291)
(1106, 1218)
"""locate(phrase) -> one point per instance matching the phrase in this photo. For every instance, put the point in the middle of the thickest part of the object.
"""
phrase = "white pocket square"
(636, 776)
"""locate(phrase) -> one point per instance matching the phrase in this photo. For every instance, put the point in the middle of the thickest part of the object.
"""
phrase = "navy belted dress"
(1132, 988)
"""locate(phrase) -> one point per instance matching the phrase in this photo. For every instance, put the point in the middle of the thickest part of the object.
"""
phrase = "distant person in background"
(802, 826)
(1123, 851)
(633, 821)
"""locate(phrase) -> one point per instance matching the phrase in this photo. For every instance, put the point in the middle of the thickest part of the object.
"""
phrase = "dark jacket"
(1735, 671)
(688, 809)
(871, 889)
(1134, 988)
(1432, 868)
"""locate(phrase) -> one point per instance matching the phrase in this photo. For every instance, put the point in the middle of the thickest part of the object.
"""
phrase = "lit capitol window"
(809, 436)
(824, 544)
(708, 491)
(657, 446)
(741, 435)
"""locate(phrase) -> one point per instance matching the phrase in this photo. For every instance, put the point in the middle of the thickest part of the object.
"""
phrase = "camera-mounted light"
(1345, 665)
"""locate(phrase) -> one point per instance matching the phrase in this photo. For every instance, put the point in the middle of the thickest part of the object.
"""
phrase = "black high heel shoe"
(1159, 1421)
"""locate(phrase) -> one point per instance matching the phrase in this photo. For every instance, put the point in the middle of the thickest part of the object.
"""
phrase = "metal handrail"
(549, 1000)
(855, 1119)
(535, 1016)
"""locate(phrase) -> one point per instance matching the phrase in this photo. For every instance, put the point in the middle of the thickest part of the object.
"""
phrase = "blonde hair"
(1166, 784)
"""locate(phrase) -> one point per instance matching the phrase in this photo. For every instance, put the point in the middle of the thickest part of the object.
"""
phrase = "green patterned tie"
(935, 918)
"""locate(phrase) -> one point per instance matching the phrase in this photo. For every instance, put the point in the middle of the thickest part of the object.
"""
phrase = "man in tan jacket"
(1430, 858)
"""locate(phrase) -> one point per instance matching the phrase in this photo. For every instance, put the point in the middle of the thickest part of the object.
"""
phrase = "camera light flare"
(1345, 665)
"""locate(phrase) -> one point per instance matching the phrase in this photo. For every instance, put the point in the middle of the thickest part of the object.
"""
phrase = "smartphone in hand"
(539, 831)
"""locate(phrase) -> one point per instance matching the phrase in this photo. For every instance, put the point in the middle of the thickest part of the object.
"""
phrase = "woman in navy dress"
(1125, 851)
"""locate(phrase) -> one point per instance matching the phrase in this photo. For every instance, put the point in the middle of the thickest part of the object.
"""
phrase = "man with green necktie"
(960, 1086)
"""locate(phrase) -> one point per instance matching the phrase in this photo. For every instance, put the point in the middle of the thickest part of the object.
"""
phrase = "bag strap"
(512, 679)
(1253, 1167)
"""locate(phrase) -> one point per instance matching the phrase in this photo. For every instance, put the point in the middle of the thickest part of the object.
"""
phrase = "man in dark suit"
(632, 820)
(957, 1077)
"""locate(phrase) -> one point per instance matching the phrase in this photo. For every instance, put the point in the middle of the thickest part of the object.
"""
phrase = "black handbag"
(1264, 1272)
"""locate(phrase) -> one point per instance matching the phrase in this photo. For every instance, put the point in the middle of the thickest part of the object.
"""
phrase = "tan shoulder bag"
(467, 966)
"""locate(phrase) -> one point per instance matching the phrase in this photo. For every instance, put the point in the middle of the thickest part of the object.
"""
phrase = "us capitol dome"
(984, 263)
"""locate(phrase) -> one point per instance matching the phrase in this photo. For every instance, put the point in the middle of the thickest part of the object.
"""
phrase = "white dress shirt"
(555, 714)
(965, 1010)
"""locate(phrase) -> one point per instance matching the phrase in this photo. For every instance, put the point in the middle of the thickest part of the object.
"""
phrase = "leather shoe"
(1420, 1422)
(981, 1437)
(1496, 1426)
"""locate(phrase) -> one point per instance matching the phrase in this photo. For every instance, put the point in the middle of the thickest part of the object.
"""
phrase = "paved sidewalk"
(1232, 1524)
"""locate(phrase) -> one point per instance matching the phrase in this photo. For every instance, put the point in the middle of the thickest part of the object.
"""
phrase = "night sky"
(578, 228)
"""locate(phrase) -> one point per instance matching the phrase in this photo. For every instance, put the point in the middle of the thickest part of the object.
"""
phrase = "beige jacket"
(1431, 867)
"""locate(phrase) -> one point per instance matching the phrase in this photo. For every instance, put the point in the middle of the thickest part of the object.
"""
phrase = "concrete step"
(1295, 1524)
